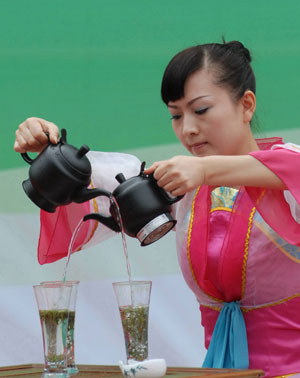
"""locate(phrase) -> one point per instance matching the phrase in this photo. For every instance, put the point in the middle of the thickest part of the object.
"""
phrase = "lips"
(197, 147)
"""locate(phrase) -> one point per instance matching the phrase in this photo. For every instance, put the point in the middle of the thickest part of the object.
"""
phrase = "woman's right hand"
(31, 135)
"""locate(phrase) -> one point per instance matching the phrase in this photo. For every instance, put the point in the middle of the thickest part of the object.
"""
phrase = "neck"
(249, 144)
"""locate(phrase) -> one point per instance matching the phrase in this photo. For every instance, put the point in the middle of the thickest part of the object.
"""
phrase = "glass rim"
(128, 283)
(71, 282)
(52, 284)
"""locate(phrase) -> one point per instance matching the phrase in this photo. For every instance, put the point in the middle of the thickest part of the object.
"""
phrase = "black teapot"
(59, 175)
(141, 207)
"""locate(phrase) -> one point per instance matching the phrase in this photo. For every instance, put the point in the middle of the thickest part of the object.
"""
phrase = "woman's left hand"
(179, 174)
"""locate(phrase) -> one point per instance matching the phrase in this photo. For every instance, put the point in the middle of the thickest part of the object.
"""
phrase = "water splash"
(74, 236)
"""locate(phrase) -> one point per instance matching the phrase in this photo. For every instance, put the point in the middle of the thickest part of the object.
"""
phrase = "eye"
(201, 111)
(175, 117)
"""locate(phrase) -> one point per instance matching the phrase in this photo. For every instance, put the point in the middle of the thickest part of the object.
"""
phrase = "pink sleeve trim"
(57, 229)
(271, 203)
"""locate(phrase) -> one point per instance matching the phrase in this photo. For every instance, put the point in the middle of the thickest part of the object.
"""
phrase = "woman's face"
(207, 120)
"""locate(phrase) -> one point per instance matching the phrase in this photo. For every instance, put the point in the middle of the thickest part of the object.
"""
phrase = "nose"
(190, 126)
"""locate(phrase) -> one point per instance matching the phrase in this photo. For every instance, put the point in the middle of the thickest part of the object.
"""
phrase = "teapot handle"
(27, 158)
(170, 199)
(167, 197)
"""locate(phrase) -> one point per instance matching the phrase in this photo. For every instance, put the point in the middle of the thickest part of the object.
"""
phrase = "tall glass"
(53, 300)
(71, 366)
(133, 299)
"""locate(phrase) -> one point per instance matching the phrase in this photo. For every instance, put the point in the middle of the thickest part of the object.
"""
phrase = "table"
(97, 371)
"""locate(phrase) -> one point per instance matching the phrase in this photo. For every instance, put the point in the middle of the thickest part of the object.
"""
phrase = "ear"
(249, 104)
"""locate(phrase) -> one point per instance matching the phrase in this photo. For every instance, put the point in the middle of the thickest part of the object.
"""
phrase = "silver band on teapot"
(162, 224)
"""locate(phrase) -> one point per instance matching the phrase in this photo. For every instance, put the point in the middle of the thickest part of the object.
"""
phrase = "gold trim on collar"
(223, 198)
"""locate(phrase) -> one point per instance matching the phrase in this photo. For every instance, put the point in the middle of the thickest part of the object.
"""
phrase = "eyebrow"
(189, 103)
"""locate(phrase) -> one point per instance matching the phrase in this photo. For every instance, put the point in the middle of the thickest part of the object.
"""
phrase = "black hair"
(230, 62)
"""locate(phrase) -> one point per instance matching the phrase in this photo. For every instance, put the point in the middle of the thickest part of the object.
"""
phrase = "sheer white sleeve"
(105, 166)
(293, 204)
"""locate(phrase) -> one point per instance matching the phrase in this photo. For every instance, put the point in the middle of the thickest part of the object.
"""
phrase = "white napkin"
(155, 368)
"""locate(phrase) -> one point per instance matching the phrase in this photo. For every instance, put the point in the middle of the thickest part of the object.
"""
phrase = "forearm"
(242, 170)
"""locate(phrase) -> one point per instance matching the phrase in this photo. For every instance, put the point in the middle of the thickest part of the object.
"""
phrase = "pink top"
(237, 256)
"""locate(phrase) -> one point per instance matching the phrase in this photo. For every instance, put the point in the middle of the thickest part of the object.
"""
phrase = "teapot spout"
(84, 194)
(107, 221)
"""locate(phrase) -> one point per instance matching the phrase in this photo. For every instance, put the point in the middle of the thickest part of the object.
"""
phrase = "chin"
(205, 152)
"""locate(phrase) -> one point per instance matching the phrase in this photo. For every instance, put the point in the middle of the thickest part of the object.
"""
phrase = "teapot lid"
(75, 158)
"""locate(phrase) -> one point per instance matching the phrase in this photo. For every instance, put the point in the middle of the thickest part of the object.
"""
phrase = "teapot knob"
(120, 178)
(83, 150)
(63, 138)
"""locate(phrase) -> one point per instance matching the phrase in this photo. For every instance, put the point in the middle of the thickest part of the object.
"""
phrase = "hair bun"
(238, 48)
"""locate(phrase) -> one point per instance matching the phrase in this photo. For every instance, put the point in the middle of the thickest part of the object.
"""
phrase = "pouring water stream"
(74, 236)
(120, 223)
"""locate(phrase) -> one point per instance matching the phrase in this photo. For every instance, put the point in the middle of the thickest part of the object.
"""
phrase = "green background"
(94, 67)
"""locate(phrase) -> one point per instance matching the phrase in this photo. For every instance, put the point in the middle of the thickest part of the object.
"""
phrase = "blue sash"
(228, 347)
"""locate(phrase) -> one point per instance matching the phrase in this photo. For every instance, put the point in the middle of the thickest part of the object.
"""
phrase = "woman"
(238, 232)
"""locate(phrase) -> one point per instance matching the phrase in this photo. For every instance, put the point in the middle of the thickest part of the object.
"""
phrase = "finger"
(52, 130)
(18, 145)
(178, 192)
(170, 175)
(32, 129)
(149, 170)
(162, 176)
(152, 168)
(26, 142)
(176, 189)
(164, 179)
(171, 186)
(40, 124)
